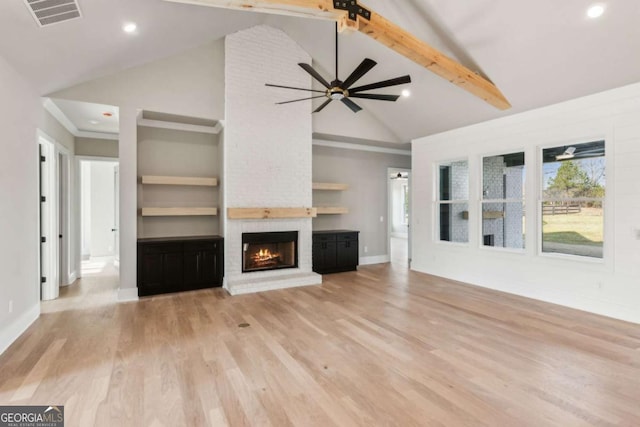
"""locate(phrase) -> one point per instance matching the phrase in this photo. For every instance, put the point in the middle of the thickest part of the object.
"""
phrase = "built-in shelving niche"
(178, 166)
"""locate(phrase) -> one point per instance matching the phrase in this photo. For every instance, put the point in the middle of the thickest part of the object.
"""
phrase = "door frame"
(78, 205)
(390, 211)
(55, 189)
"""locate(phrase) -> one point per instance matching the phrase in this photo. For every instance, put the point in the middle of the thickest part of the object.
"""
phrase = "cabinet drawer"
(324, 238)
(200, 246)
(347, 236)
(162, 248)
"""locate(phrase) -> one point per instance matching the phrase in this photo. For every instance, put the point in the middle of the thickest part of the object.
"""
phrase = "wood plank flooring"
(379, 347)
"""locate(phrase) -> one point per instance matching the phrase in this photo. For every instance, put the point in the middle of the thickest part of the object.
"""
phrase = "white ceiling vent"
(47, 12)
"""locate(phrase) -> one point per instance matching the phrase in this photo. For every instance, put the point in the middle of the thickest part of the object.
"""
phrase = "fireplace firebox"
(269, 251)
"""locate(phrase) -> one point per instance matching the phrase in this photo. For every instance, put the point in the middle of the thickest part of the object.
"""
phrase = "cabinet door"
(191, 269)
(347, 254)
(173, 270)
(324, 256)
(209, 267)
(151, 271)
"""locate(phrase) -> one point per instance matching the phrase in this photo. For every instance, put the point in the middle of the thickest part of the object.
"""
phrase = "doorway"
(57, 268)
(99, 242)
(399, 191)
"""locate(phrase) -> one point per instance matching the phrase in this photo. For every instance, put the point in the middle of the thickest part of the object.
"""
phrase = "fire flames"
(265, 256)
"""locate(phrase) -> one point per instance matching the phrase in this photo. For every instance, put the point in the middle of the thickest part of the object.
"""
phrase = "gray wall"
(19, 284)
(96, 147)
(366, 198)
(177, 153)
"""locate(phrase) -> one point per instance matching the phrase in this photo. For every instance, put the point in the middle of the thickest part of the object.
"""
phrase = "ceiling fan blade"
(295, 88)
(315, 74)
(380, 85)
(301, 99)
(324, 104)
(375, 96)
(365, 66)
(352, 105)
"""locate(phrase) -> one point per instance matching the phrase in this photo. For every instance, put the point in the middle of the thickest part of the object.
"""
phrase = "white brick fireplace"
(267, 152)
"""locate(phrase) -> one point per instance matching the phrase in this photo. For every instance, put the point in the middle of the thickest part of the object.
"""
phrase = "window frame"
(437, 202)
(523, 201)
(607, 205)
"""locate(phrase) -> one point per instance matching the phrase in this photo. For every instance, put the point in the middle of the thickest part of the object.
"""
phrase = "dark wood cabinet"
(179, 264)
(335, 251)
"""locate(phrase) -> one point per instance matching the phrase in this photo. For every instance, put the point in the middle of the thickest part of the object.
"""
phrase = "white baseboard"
(12, 332)
(127, 294)
(377, 259)
(72, 278)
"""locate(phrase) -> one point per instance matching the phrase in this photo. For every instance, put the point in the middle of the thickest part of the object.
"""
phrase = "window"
(502, 204)
(453, 201)
(574, 182)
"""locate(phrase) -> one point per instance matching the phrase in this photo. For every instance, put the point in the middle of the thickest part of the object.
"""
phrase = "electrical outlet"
(10, 306)
(381, 219)
(366, 249)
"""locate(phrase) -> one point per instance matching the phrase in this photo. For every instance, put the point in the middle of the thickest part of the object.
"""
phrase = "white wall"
(102, 209)
(19, 246)
(611, 287)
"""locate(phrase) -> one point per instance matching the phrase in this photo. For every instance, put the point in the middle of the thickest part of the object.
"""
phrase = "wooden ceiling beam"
(380, 29)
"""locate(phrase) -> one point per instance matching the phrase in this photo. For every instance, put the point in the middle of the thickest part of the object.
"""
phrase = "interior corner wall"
(611, 287)
(367, 197)
(50, 125)
(19, 228)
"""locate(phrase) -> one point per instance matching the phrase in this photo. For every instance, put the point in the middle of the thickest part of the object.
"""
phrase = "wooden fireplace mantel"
(271, 213)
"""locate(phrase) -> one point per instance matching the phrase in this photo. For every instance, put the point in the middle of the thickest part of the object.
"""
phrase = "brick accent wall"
(267, 147)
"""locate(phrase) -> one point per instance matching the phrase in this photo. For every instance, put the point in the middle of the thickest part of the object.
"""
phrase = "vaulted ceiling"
(537, 53)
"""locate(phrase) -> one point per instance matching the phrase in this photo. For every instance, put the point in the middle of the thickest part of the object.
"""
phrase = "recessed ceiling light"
(406, 93)
(130, 27)
(94, 122)
(595, 11)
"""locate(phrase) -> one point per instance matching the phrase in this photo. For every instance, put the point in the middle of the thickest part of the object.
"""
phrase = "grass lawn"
(584, 228)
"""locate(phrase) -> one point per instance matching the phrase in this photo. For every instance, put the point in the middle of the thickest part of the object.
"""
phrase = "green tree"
(570, 181)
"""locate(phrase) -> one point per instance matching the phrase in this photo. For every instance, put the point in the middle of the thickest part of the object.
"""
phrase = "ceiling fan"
(353, 16)
(342, 91)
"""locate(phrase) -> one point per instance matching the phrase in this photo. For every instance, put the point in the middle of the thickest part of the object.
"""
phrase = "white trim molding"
(360, 147)
(12, 332)
(56, 112)
(376, 259)
(127, 294)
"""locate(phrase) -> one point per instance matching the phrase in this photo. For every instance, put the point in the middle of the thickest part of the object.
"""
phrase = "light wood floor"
(380, 347)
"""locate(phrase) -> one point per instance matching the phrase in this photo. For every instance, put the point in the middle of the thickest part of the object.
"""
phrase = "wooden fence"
(563, 209)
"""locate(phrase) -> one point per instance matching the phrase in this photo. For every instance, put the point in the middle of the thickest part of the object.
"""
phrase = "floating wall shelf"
(332, 210)
(179, 211)
(331, 186)
(179, 180)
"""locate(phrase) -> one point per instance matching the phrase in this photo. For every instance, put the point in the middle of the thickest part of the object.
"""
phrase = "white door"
(48, 223)
(116, 215)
